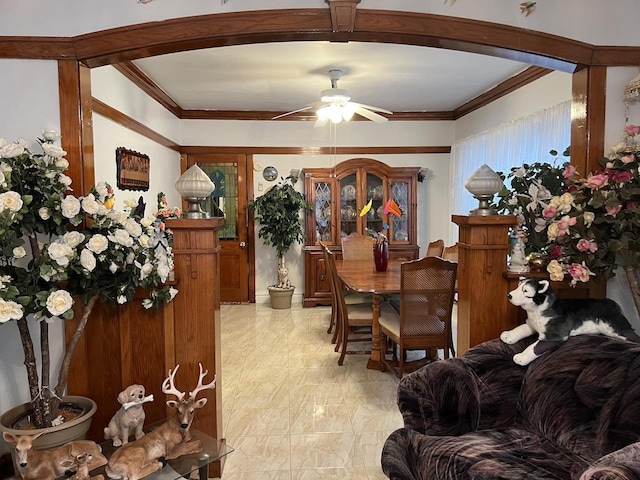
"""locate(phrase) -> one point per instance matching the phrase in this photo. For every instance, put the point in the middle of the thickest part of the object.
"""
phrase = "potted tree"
(278, 212)
(56, 249)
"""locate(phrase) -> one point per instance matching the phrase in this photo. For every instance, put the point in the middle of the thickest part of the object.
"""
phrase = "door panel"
(229, 173)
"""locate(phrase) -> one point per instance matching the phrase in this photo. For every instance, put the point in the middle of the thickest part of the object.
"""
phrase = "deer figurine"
(49, 464)
(169, 440)
(81, 465)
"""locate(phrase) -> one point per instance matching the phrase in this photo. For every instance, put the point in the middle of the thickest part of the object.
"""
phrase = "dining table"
(361, 276)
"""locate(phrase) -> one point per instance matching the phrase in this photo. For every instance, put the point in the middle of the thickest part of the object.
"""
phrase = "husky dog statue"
(555, 320)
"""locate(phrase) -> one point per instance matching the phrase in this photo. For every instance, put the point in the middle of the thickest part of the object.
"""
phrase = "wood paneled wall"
(127, 344)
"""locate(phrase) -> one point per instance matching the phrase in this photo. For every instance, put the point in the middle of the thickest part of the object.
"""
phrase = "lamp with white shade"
(483, 184)
(194, 186)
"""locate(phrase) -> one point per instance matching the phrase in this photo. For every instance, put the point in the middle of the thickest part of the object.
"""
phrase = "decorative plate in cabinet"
(348, 192)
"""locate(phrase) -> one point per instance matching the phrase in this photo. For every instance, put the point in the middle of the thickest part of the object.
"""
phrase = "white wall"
(303, 134)
(164, 163)
(545, 92)
(617, 78)
(111, 87)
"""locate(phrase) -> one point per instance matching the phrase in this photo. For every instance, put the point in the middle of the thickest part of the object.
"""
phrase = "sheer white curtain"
(525, 140)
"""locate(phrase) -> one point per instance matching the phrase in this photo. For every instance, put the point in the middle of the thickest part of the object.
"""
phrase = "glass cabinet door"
(399, 225)
(348, 209)
(375, 193)
(322, 192)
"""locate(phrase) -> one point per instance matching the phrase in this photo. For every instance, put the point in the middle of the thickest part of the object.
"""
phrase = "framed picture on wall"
(132, 170)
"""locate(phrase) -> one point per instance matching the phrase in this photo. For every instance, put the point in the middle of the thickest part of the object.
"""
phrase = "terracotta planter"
(59, 435)
(280, 297)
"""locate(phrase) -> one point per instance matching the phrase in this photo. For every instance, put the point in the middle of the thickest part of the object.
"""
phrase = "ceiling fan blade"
(369, 107)
(321, 122)
(292, 112)
(370, 115)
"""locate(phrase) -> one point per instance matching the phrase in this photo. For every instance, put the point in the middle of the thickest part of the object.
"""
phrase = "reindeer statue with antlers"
(171, 439)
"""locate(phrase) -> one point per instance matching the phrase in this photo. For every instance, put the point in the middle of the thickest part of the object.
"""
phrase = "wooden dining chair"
(451, 253)
(354, 320)
(435, 248)
(357, 247)
(350, 297)
(424, 320)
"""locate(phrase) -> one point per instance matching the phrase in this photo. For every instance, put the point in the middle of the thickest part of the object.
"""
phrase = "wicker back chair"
(357, 247)
(424, 320)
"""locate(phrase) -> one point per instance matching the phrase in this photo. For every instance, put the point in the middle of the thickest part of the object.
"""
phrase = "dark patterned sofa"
(573, 413)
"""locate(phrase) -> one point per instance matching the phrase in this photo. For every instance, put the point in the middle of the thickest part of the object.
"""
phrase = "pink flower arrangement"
(632, 130)
(594, 227)
(596, 182)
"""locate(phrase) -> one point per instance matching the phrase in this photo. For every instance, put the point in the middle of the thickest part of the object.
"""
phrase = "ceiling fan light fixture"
(335, 113)
(347, 111)
(323, 113)
(336, 106)
(335, 95)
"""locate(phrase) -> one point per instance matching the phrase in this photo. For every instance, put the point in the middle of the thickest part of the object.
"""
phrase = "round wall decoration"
(270, 173)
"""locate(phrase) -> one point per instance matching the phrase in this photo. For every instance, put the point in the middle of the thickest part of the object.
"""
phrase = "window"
(525, 140)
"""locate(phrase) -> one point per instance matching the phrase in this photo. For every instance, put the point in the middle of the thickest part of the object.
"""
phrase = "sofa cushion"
(509, 454)
(585, 396)
(452, 397)
(572, 412)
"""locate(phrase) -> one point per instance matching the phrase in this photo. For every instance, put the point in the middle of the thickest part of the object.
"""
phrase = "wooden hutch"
(338, 195)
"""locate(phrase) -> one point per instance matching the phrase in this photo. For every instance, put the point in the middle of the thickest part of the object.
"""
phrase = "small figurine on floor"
(49, 464)
(81, 466)
(555, 320)
(130, 418)
(283, 275)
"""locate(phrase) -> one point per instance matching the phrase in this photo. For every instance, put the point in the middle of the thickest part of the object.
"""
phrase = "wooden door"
(229, 199)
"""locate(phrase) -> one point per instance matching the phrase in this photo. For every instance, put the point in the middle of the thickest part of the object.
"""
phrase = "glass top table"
(194, 466)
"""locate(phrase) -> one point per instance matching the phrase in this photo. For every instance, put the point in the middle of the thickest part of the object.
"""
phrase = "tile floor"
(289, 410)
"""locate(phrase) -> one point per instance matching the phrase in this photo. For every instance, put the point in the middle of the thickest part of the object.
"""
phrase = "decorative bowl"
(348, 192)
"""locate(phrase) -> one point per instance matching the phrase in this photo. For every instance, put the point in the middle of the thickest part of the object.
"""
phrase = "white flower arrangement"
(109, 258)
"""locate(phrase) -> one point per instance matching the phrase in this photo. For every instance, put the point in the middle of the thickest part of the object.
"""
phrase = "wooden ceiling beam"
(343, 14)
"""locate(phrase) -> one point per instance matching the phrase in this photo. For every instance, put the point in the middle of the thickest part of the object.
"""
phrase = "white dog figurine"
(130, 418)
(555, 320)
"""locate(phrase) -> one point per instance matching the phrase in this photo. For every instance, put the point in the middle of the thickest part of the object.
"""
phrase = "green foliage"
(278, 212)
(526, 192)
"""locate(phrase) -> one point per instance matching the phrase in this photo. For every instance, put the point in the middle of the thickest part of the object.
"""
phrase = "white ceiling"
(288, 76)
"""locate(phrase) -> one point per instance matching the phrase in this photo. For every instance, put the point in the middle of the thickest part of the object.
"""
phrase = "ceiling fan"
(335, 105)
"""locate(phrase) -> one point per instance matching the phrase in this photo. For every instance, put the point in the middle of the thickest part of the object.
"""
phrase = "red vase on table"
(381, 256)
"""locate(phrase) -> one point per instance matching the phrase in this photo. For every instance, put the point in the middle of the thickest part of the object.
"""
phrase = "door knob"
(243, 244)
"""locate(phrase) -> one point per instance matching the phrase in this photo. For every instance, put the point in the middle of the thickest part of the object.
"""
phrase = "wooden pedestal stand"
(483, 309)
(127, 344)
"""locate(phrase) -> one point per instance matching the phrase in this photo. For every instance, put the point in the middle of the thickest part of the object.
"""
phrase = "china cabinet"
(339, 195)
